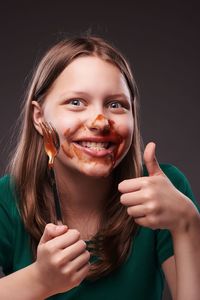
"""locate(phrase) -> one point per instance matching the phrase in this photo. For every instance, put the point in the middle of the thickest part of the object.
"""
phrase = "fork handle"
(56, 197)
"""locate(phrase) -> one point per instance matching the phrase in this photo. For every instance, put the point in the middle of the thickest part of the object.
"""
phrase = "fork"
(52, 146)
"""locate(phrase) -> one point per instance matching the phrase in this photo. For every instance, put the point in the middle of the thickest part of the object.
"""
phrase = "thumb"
(150, 160)
(51, 231)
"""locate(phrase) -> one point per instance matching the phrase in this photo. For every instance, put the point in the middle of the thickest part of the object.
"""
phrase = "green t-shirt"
(139, 278)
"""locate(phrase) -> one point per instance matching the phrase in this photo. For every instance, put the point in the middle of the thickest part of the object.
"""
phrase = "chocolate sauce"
(70, 150)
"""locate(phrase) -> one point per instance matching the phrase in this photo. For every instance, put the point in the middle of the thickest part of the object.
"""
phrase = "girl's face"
(89, 105)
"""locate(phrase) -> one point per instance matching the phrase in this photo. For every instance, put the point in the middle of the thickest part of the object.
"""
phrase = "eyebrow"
(81, 93)
(122, 95)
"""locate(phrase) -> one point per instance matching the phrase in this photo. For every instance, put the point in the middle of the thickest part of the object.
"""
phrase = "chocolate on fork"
(52, 146)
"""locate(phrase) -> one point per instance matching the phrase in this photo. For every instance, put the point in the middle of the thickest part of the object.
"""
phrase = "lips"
(94, 145)
(98, 142)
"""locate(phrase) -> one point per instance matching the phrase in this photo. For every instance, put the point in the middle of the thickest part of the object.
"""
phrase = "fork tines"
(50, 134)
(55, 136)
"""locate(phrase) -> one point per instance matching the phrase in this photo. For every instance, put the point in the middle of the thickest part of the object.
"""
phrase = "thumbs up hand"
(153, 201)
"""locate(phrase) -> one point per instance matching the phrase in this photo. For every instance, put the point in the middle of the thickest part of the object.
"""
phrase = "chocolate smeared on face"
(104, 145)
(101, 123)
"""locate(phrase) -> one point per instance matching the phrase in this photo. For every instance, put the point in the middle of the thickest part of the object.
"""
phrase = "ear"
(37, 116)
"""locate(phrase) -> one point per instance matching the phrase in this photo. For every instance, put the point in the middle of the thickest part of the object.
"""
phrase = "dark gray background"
(160, 40)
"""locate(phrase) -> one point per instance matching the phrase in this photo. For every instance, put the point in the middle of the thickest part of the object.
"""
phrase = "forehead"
(93, 74)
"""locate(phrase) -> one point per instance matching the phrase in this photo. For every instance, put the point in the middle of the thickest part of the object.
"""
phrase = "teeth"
(96, 146)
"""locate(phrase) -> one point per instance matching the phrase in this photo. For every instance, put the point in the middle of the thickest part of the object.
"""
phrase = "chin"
(97, 171)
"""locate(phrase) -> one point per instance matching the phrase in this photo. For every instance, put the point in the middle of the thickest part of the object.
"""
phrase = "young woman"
(125, 226)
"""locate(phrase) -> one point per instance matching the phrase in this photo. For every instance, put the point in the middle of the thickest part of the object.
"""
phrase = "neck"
(82, 199)
(83, 191)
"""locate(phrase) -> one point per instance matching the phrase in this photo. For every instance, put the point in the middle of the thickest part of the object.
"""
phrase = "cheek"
(66, 127)
(67, 134)
(126, 131)
(59, 118)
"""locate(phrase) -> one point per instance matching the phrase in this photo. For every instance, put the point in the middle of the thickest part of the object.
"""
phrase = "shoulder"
(5, 182)
(6, 185)
(172, 172)
(8, 225)
(7, 191)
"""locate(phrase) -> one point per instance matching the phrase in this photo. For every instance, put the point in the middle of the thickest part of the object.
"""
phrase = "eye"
(115, 104)
(76, 102)
(118, 106)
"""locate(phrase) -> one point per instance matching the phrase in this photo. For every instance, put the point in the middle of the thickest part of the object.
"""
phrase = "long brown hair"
(28, 166)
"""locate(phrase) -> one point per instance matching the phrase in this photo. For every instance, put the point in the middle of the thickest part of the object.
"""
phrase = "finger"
(73, 251)
(137, 211)
(130, 185)
(51, 231)
(150, 160)
(65, 240)
(80, 275)
(148, 222)
(80, 261)
(142, 221)
(133, 198)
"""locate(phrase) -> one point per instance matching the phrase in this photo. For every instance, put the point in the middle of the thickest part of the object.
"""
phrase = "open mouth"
(95, 148)
(98, 146)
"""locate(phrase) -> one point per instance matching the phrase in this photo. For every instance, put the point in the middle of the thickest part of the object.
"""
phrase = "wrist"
(189, 220)
(40, 287)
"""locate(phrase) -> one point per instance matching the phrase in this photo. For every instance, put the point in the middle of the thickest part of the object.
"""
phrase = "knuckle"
(152, 193)
(154, 207)
(82, 244)
(49, 227)
(75, 232)
(129, 211)
(48, 249)
(55, 261)
(145, 182)
(68, 271)
(148, 194)
(145, 194)
(122, 197)
(121, 185)
(150, 206)
(67, 256)
(87, 255)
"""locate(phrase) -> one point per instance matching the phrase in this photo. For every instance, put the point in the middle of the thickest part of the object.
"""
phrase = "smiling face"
(89, 104)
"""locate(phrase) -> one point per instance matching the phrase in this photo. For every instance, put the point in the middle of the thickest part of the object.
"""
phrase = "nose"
(99, 124)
